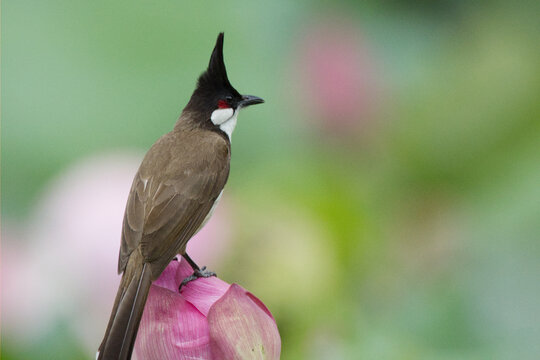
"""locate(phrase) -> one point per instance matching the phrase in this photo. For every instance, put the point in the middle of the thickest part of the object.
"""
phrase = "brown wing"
(173, 191)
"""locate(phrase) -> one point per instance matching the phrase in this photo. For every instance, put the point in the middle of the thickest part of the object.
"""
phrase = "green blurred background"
(384, 203)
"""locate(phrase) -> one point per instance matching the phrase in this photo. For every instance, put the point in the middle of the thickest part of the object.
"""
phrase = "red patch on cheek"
(222, 104)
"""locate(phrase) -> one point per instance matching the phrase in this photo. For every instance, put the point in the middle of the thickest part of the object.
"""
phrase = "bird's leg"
(190, 261)
(197, 271)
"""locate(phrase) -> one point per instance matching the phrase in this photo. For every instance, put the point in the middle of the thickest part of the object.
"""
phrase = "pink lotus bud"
(208, 319)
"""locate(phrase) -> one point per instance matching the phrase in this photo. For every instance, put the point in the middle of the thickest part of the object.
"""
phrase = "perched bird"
(173, 195)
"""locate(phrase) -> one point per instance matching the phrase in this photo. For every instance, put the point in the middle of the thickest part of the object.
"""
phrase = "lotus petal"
(167, 279)
(241, 327)
(171, 328)
(202, 292)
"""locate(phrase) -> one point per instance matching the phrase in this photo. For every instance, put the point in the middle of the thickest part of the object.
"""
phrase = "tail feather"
(127, 311)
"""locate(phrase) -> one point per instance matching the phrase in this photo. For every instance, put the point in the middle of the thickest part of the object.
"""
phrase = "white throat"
(225, 119)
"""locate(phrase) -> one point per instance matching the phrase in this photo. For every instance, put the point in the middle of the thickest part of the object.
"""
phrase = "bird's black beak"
(248, 100)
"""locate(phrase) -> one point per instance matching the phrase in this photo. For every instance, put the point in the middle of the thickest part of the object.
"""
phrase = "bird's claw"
(202, 273)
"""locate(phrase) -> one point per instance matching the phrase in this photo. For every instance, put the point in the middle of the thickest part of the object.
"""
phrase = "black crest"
(213, 84)
(216, 74)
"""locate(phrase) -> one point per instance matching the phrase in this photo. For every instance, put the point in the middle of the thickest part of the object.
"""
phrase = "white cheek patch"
(229, 125)
(219, 116)
(225, 119)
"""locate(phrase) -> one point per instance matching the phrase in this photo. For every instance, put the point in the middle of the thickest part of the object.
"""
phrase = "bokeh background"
(384, 203)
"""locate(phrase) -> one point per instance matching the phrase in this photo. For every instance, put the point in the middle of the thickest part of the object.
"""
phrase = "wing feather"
(166, 208)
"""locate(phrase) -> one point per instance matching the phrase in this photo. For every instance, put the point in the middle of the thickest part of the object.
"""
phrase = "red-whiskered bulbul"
(173, 195)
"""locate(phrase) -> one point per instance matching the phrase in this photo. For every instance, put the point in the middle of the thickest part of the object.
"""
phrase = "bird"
(173, 195)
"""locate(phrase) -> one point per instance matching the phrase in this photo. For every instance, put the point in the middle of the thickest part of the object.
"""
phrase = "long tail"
(127, 311)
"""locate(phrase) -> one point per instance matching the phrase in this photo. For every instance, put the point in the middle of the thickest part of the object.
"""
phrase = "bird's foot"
(202, 273)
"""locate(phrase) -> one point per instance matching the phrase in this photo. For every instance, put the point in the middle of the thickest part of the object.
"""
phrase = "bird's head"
(215, 101)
